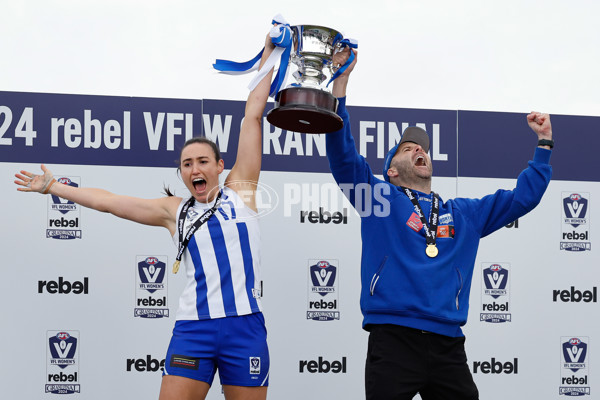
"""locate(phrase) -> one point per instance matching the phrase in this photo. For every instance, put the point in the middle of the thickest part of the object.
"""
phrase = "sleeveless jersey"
(221, 261)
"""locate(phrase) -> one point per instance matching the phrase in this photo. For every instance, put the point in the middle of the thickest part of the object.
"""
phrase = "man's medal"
(430, 227)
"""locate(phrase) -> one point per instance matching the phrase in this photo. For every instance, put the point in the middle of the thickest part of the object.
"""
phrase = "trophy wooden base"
(305, 110)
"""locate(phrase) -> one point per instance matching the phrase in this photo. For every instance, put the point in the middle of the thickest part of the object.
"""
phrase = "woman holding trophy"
(219, 324)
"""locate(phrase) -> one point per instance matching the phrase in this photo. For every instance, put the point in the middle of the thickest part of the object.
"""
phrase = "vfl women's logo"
(575, 207)
(495, 278)
(62, 349)
(574, 353)
(322, 291)
(152, 273)
(323, 277)
(254, 365)
(62, 205)
(150, 287)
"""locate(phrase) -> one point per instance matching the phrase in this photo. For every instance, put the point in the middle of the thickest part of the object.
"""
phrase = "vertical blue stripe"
(248, 265)
(218, 241)
(201, 289)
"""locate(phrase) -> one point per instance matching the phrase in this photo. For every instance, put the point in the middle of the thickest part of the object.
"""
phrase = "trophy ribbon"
(281, 36)
(353, 44)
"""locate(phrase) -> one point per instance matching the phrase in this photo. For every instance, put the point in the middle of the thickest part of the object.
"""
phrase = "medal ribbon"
(281, 36)
(184, 241)
(431, 227)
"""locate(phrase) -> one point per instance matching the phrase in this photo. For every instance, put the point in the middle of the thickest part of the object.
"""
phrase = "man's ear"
(392, 172)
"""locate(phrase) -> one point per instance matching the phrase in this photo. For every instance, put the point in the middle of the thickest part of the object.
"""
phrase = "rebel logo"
(575, 296)
(63, 223)
(323, 276)
(575, 207)
(495, 278)
(148, 364)
(64, 287)
(152, 273)
(321, 366)
(62, 349)
(574, 353)
(153, 302)
(324, 217)
(323, 305)
(496, 367)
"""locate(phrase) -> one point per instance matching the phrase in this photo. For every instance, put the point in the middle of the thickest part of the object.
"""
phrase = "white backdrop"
(510, 56)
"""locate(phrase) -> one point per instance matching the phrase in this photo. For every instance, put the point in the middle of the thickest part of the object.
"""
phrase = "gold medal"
(176, 266)
(431, 250)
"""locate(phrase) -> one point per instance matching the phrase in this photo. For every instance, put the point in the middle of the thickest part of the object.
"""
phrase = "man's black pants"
(402, 362)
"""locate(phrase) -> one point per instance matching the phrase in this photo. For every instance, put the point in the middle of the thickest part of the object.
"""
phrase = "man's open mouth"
(420, 161)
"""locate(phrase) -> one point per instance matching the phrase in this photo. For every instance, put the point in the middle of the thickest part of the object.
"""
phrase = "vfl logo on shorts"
(254, 365)
(179, 361)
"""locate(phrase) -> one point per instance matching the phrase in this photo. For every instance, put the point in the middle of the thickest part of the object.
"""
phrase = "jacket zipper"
(460, 288)
(376, 276)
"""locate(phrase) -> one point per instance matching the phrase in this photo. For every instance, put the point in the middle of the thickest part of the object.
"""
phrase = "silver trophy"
(308, 106)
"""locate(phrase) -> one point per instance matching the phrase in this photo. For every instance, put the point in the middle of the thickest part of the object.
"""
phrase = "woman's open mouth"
(199, 185)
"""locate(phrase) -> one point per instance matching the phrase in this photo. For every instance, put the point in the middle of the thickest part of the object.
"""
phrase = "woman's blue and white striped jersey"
(221, 261)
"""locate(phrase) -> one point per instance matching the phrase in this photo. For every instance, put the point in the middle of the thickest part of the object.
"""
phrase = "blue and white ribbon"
(281, 36)
(353, 44)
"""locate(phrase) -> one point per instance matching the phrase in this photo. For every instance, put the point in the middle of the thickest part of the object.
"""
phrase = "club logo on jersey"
(574, 366)
(575, 222)
(191, 214)
(323, 290)
(62, 362)
(414, 222)
(63, 215)
(445, 231)
(495, 296)
(446, 219)
(151, 285)
(254, 365)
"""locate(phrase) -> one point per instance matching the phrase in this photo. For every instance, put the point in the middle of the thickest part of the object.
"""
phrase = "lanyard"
(430, 228)
(184, 241)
